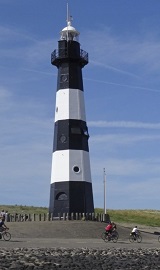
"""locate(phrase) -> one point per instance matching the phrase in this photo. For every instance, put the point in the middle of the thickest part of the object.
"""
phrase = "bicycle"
(110, 237)
(103, 235)
(137, 238)
(5, 235)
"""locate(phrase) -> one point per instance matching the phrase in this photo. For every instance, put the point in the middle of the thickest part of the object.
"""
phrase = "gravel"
(79, 258)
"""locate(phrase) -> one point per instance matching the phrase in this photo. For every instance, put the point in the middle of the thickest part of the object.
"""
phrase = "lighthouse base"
(71, 197)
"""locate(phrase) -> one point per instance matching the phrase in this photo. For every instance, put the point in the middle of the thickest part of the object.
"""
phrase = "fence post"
(8, 218)
(97, 217)
(48, 216)
(33, 217)
(93, 216)
(51, 216)
(64, 216)
(89, 216)
(15, 217)
(107, 218)
(44, 217)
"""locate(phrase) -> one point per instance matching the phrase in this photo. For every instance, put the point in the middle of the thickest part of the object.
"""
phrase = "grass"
(136, 217)
(141, 217)
(23, 209)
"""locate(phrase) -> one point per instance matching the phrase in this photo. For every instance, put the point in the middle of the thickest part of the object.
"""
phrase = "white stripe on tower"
(71, 184)
(70, 105)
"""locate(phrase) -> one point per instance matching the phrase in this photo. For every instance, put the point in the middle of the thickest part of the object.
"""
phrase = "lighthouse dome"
(69, 32)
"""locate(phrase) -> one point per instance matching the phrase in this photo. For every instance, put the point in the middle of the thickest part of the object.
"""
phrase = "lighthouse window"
(61, 196)
(76, 169)
(75, 130)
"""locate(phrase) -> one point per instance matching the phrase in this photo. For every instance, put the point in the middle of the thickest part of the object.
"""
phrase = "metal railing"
(63, 53)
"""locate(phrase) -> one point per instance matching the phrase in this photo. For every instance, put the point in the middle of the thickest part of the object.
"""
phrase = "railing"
(49, 217)
(56, 55)
(84, 55)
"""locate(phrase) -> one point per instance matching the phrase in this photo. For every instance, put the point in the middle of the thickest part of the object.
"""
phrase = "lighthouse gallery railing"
(62, 54)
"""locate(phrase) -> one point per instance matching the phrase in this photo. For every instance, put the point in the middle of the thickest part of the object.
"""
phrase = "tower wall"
(71, 184)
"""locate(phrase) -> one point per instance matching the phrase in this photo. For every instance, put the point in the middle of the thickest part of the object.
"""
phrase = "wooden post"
(76, 216)
(48, 216)
(51, 217)
(64, 216)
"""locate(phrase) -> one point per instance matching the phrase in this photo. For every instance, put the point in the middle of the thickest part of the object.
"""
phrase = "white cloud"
(112, 141)
(123, 124)
(4, 93)
(113, 68)
(119, 51)
(128, 86)
(17, 45)
(131, 167)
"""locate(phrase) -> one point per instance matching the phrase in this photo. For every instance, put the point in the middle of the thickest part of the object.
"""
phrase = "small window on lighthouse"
(76, 169)
(75, 130)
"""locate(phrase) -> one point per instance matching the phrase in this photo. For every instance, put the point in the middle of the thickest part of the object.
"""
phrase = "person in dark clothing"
(3, 225)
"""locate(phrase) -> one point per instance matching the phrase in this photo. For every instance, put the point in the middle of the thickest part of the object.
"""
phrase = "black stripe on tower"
(69, 59)
(70, 134)
(65, 195)
(70, 76)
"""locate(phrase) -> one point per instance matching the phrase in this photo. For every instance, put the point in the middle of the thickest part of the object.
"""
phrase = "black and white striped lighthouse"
(71, 184)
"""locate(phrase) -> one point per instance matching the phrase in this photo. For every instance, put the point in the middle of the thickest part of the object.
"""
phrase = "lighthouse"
(71, 183)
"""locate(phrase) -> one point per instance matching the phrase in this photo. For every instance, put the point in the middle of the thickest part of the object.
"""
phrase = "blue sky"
(122, 98)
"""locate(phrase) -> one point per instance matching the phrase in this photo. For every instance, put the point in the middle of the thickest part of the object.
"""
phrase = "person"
(2, 213)
(114, 227)
(134, 231)
(109, 228)
(3, 225)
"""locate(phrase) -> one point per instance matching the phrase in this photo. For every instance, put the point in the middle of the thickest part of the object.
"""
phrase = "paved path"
(74, 234)
(77, 243)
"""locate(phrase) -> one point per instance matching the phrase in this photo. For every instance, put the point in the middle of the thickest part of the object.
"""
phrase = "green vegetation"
(23, 209)
(141, 217)
(136, 217)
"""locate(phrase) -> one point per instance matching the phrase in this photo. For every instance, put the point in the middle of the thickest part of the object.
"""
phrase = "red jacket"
(108, 227)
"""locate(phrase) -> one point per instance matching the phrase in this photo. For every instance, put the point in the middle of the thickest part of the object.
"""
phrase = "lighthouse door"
(61, 203)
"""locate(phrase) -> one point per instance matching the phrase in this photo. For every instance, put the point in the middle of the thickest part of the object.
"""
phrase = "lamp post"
(104, 180)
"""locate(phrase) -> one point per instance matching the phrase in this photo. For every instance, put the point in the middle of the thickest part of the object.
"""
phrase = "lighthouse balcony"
(58, 56)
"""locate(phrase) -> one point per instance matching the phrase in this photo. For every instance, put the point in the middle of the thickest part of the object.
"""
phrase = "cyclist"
(3, 225)
(109, 228)
(134, 231)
